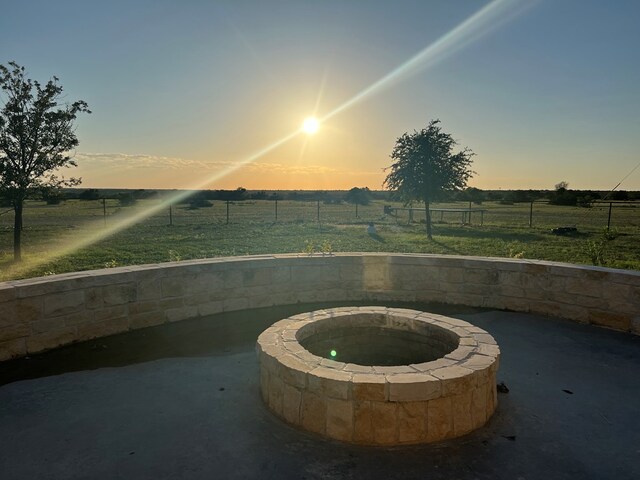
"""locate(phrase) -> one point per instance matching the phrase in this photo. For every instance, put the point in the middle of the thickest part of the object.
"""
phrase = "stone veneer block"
(18, 330)
(13, 348)
(369, 387)
(264, 385)
(329, 383)
(439, 419)
(456, 380)
(412, 422)
(479, 405)
(51, 339)
(413, 387)
(385, 423)
(291, 401)
(314, 413)
(293, 371)
(462, 414)
(363, 418)
(339, 419)
(62, 303)
(276, 394)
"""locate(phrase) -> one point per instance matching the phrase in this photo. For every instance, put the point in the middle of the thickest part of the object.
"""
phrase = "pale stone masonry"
(42, 313)
(379, 405)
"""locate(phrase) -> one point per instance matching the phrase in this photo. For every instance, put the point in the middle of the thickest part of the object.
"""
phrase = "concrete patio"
(182, 401)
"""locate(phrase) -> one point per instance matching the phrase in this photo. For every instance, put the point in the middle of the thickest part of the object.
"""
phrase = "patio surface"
(182, 401)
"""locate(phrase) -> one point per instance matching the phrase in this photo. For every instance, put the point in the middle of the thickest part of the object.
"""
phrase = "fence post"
(531, 215)
(170, 215)
(227, 212)
(276, 209)
(104, 210)
(356, 209)
(318, 211)
(609, 218)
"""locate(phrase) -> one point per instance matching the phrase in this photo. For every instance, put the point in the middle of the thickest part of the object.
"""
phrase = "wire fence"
(622, 215)
(533, 215)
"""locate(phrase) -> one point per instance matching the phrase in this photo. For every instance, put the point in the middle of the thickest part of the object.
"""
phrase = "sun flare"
(310, 125)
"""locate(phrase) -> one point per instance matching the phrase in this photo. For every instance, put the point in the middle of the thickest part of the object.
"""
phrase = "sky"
(212, 94)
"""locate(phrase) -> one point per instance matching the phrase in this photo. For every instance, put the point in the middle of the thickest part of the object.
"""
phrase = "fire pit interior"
(383, 345)
(379, 376)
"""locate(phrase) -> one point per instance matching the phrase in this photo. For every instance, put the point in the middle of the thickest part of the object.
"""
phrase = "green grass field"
(253, 229)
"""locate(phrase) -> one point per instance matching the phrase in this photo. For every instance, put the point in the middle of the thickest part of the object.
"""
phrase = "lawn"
(52, 233)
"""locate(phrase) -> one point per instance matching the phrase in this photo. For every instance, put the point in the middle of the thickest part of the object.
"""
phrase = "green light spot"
(333, 353)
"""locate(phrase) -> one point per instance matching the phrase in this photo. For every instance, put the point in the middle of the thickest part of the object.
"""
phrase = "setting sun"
(310, 125)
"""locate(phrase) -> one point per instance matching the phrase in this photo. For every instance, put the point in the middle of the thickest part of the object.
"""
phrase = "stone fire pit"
(379, 376)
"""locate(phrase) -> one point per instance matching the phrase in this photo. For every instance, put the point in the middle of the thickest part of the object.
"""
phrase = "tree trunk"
(427, 214)
(17, 231)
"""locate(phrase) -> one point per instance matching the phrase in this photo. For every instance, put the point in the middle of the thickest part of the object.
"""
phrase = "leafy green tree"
(562, 195)
(36, 134)
(620, 195)
(53, 196)
(199, 200)
(426, 167)
(471, 194)
(358, 196)
(519, 196)
(89, 194)
(126, 199)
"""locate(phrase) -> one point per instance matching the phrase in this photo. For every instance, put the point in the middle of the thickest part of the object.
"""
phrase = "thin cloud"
(128, 161)
(133, 161)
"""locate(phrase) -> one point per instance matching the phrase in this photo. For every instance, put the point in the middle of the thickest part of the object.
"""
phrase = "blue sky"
(183, 93)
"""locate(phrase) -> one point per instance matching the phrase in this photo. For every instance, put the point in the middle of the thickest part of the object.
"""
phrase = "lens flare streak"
(472, 28)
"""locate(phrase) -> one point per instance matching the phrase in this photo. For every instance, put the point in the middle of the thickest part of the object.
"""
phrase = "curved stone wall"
(42, 313)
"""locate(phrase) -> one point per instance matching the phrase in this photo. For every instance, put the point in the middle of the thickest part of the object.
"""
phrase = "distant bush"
(471, 194)
(259, 195)
(307, 196)
(566, 197)
(620, 195)
(199, 202)
(520, 196)
(89, 194)
(53, 196)
(54, 200)
(239, 193)
(358, 196)
(585, 201)
(563, 196)
(142, 194)
(126, 199)
(634, 196)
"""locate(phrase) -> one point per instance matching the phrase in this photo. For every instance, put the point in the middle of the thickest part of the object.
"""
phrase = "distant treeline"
(359, 195)
(562, 195)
